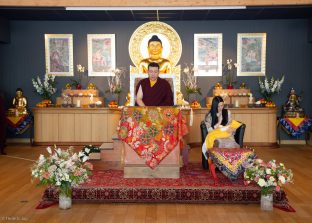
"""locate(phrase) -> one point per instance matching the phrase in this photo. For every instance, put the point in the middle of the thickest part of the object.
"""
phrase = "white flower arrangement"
(190, 81)
(47, 88)
(114, 82)
(269, 176)
(270, 87)
(62, 168)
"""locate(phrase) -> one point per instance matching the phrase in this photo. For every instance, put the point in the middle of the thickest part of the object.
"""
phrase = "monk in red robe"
(154, 91)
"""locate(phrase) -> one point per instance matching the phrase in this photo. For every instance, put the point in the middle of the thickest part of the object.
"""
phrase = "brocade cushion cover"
(231, 162)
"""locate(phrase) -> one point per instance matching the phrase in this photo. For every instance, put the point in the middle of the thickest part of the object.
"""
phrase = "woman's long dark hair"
(214, 110)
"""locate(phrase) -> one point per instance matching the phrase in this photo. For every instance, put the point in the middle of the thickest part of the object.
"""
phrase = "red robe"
(158, 95)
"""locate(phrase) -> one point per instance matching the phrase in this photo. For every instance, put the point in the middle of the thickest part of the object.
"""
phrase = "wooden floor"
(19, 197)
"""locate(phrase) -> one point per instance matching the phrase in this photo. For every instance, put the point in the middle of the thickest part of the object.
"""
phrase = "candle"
(250, 98)
(236, 103)
(78, 104)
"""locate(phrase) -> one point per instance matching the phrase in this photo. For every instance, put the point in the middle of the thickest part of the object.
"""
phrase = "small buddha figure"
(292, 107)
(20, 102)
(155, 49)
(128, 99)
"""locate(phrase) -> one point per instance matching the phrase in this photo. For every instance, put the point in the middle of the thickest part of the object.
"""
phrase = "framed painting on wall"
(59, 54)
(101, 54)
(208, 54)
(251, 54)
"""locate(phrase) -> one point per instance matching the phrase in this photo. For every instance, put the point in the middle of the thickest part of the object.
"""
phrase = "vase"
(266, 202)
(65, 197)
(191, 97)
(230, 86)
(115, 97)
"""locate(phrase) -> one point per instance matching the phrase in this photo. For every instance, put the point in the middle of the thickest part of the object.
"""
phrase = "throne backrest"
(135, 78)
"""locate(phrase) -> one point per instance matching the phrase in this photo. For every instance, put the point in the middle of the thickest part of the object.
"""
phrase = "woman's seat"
(239, 137)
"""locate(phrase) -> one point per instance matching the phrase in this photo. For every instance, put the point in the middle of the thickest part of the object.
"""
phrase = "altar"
(151, 138)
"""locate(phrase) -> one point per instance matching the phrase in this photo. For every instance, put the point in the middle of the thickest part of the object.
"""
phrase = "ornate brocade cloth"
(296, 126)
(231, 161)
(19, 124)
(152, 132)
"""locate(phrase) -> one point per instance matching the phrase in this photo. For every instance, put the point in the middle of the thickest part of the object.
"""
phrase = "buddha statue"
(292, 107)
(155, 49)
(128, 98)
(20, 102)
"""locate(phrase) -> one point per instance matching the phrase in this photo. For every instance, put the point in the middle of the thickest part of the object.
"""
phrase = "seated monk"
(155, 50)
(154, 91)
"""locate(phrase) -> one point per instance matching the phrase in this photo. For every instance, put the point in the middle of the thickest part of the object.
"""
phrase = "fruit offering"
(44, 103)
(270, 104)
(195, 104)
(113, 104)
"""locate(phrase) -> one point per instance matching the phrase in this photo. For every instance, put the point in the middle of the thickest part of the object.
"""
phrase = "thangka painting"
(251, 54)
(59, 54)
(101, 54)
(208, 54)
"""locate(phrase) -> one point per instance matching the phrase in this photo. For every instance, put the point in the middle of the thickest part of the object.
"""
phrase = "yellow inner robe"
(220, 134)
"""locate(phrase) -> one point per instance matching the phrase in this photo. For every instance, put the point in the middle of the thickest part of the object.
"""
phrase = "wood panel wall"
(144, 3)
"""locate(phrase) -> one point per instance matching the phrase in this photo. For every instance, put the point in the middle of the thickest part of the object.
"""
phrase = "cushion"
(231, 162)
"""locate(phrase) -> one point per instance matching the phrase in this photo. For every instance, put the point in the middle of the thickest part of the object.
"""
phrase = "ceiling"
(250, 13)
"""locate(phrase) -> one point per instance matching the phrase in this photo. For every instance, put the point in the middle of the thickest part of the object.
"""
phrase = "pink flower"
(277, 188)
(46, 175)
(77, 173)
(88, 165)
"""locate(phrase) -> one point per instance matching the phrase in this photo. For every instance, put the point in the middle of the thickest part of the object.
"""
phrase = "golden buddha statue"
(155, 49)
(20, 102)
(128, 98)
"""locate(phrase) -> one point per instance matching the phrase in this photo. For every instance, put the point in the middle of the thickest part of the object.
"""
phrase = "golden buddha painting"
(156, 42)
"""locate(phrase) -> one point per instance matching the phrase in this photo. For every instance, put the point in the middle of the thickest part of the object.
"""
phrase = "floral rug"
(195, 185)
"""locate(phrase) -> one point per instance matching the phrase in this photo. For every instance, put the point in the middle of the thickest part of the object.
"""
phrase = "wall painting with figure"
(59, 54)
(101, 54)
(208, 54)
(251, 54)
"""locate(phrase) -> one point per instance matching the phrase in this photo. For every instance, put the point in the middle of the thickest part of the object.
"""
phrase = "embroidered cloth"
(19, 124)
(152, 132)
(296, 126)
(231, 161)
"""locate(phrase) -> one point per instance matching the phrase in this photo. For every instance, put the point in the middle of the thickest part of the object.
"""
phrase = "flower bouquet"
(91, 151)
(268, 88)
(46, 88)
(63, 169)
(115, 84)
(190, 83)
(269, 176)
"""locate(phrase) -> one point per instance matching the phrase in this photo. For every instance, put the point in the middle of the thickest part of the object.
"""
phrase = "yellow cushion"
(235, 124)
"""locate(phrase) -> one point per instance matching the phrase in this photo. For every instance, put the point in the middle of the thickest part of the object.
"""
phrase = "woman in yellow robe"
(218, 122)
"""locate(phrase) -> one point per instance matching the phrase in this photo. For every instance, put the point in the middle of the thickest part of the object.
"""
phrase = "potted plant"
(115, 86)
(270, 177)
(62, 169)
(190, 83)
(93, 152)
(229, 73)
(77, 82)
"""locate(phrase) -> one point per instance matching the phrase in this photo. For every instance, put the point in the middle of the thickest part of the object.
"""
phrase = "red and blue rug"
(195, 185)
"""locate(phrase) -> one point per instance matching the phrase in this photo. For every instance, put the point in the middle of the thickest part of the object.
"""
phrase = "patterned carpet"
(195, 185)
